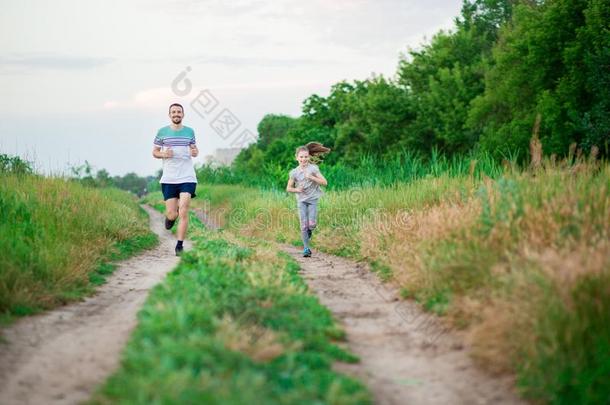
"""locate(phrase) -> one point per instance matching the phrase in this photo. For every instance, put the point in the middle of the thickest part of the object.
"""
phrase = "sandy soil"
(61, 356)
(407, 357)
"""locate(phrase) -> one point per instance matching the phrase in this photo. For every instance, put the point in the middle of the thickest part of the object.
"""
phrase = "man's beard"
(176, 120)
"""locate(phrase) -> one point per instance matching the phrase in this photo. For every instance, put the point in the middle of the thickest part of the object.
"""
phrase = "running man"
(175, 144)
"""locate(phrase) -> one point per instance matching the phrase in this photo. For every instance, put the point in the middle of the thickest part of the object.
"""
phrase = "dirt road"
(407, 357)
(61, 356)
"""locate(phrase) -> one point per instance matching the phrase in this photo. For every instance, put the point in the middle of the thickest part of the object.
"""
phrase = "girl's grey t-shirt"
(311, 189)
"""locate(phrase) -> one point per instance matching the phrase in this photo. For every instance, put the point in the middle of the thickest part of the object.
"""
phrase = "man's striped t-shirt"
(179, 168)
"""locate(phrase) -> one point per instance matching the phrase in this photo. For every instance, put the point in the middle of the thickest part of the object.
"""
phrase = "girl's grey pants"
(308, 213)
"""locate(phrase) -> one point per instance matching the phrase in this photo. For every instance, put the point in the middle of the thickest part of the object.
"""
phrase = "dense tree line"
(130, 182)
(475, 89)
(85, 175)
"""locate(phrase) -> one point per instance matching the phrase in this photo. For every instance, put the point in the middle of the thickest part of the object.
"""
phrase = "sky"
(92, 80)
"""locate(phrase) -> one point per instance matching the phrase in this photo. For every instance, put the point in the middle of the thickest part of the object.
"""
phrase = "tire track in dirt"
(406, 356)
(59, 357)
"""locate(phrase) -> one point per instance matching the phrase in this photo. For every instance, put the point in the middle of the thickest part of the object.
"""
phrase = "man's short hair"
(176, 105)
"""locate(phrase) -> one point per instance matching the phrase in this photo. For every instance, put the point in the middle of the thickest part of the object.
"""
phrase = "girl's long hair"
(315, 149)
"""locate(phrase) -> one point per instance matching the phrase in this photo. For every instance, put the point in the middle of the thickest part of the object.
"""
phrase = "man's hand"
(298, 190)
(168, 153)
(194, 151)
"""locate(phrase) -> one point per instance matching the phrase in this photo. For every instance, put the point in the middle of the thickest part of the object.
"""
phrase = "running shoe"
(169, 223)
(179, 250)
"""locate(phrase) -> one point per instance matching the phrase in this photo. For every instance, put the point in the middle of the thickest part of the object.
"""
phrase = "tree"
(273, 127)
(131, 182)
(103, 179)
(552, 59)
(446, 75)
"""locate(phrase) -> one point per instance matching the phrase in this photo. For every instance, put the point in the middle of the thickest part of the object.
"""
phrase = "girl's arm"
(318, 178)
(291, 188)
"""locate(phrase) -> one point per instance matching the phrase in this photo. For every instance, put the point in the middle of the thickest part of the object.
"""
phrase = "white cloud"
(156, 98)
(150, 99)
(52, 61)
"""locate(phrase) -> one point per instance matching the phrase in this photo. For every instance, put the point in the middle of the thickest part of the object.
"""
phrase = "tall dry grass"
(509, 266)
(54, 234)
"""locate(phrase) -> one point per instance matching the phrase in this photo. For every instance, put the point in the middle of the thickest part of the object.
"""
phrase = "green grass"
(59, 239)
(383, 271)
(520, 259)
(571, 361)
(233, 324)
(342, 214)
(404, 167)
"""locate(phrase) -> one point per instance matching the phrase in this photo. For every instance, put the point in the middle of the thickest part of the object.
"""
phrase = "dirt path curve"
(61, 356)
(406, 355)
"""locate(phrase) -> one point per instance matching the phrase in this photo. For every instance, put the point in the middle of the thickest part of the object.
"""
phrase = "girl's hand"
(317, 178)
(298, 190)
(168, 153)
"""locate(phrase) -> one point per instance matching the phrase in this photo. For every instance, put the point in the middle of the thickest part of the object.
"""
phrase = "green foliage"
(131, 182)
(402, 167)
(552, 60)
(274, 127)
(447, 74)
(14, 165)
(574, 342)
(383, 271)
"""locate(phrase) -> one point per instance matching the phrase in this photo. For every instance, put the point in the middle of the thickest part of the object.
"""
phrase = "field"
(58, 240)
(519, 263)
(515, 261)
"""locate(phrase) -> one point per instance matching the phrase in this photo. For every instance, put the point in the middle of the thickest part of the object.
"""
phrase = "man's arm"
(159, 154)
(193, 146)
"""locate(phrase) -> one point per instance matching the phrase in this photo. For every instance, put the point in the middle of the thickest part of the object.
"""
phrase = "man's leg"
(183, 212)
(171, 212)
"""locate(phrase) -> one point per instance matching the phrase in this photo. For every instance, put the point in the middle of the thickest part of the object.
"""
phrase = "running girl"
(305, 181)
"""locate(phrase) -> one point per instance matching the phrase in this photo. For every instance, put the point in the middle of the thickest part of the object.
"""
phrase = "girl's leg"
(303, 210)
(312, 216)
